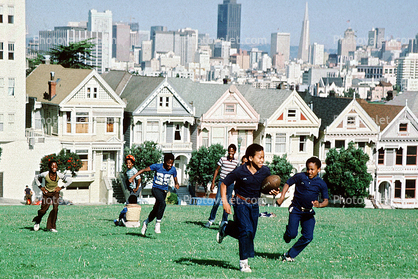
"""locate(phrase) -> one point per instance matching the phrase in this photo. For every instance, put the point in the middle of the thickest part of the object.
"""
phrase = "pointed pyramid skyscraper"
(303, 52)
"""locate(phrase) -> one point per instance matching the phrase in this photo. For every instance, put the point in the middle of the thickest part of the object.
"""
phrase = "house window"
(11, 89)
(411, 155)
(351, 121)
(82, 122)
(11, 53)
(84, 158)
(399, 153)
(403, 127)
(164, 102)
(327, 145)
(153, 131)
(302, 144)
(381, 156)
(410, 189)
(205, 138)
(95, 92)
(11, 118)
(398, 189)
(138, 132)
(339, 143)
(361, 145)
(110, 122)
(68, 120)
(1, 14)
(291, 113)
(268, 143)
(177, 132)
(10, 17)
(1, 50)
(167, 102)
(88, 92)
(218, 136)
(230, 109)
(280, 144)
(1, 122)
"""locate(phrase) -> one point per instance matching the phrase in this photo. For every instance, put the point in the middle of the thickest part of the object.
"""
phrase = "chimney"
(52, 89)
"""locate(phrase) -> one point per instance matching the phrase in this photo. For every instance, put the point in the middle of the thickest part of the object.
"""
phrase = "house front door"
(109, 164)
(384, 193)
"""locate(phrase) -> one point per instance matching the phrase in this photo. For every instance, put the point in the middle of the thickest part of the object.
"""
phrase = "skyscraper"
(229, 22)
(303, 52)
(376, 37)
(280, 44)
(102, 22)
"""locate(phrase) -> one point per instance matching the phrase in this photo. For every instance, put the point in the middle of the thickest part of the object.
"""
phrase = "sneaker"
(245, 268)
(221, 233)
(144, 228)
(36, 227)
(53, 230)
(208, 224)
(157, 228)
(286, 238)
(286, 258)
(116, 222)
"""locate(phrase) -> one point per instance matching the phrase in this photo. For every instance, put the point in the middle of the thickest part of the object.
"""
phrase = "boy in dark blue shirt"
(308, 186)
(248, 179)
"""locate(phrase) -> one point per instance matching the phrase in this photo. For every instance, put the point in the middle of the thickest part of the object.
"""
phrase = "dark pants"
(244, 227)
(159, 206)
(218, 200)
(48, 199)
(131, 192)
(307, 222)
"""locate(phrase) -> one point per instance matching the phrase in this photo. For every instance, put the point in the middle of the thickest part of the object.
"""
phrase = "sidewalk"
(4, 201)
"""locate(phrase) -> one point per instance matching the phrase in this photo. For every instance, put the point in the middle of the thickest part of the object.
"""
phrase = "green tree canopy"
(146, 154)
(33, 63)
(203, 163)
(75, 55)
(346, 175)
(350, 93)
(280, 166)
(67, 161)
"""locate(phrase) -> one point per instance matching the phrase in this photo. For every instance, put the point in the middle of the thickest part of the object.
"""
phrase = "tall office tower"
(229, 22)
(137, 37)
(221, 49)
(280, 44)
(303, 52)
(407, 72)
(347, 45)
(376, 37)
(152, 36)
(316, 54)
(203, 40)
(102, 22)
(146, 51)
(134, 26)
(121, 42)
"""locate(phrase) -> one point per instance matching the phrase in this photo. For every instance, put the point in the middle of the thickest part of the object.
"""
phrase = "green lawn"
(348, 243)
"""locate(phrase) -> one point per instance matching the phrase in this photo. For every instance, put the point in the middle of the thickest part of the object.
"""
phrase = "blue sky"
(328, 19)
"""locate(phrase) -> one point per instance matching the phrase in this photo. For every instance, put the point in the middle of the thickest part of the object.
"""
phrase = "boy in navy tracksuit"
(248, 179)
(308, 186)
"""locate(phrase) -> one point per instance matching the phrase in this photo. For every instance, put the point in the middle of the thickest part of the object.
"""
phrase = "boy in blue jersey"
(308, 186)
(162, 176)
(248, 179)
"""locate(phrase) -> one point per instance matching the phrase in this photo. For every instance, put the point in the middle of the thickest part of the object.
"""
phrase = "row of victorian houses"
(96, 116)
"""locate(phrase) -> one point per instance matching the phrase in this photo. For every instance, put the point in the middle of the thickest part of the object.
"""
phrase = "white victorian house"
(85, 114)
(397, 164)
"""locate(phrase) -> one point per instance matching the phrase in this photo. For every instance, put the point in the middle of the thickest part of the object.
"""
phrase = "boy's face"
(168, 164)
(312, 170)
(54, 167)
(129, 164)
(231, 153)
(258, 159)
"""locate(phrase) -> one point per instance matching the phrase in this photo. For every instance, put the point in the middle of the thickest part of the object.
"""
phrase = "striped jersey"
(227, 166)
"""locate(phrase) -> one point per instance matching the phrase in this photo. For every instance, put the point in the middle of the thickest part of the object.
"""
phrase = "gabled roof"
(385, 84)
(330, 80)
(381, 114)
(117, 79)
(410, 97)
(69, 79)
(326, 109)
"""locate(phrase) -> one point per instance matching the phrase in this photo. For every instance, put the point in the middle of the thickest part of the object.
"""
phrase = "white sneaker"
(208, 224)
(36, 227)
(53, 230)
(144, 228)
(245, 268)
(157, 228)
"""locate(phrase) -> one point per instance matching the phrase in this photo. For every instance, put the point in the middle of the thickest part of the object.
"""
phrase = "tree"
(67, 161)
(350, 93)
(34, 62)
(346, 175)
(281, 167)
(145, 154)
(75, 55)
(203, 163)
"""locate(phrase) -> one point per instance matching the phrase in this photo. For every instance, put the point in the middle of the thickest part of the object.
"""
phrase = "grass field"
(348, 243)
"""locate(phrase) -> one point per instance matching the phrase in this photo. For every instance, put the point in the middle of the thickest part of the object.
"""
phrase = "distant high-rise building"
(347, 45)
(376, 37)
(121, 45)
(407, 72)
(280, 44)
(316, 54)
(146, 51)
(203, 39)
(102, 22)
(152, 36)
(229, 22)
(303, 52)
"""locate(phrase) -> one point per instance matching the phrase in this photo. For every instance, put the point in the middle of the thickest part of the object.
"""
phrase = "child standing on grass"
(248, 179)
(162, 176)
(308, 186)
(133, 186)
(51, 195)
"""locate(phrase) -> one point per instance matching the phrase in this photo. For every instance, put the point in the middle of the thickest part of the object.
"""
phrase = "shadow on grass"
(271, 256)
(201, 224)
(217, 263)
(27, 228)
(138, 234)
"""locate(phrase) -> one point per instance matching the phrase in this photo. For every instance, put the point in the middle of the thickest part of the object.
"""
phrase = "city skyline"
(258, 19)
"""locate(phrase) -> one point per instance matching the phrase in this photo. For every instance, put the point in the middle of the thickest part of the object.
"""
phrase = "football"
(271, 182)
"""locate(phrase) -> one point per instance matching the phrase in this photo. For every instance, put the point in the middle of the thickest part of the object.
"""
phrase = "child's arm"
(319, 205)
(214, 177)
(139, 173)
(225, 204)
(280, 200)
(138, 183)
(176, 183)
